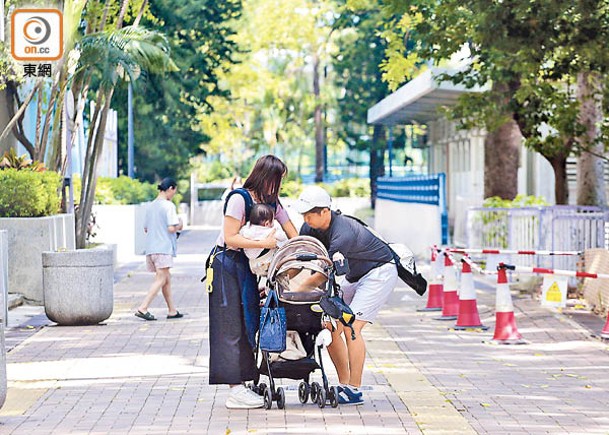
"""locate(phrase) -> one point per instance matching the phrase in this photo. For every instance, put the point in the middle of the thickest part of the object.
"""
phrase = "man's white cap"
(311, 197)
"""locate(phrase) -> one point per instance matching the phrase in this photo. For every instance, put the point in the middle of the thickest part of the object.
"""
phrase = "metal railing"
(564, 228)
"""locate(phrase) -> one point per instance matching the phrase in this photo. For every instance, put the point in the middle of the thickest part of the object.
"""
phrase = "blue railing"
(421, 189)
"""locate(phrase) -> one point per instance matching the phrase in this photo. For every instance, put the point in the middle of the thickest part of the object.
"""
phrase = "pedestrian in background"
(234, 310)
(161, 226)
(366, 287)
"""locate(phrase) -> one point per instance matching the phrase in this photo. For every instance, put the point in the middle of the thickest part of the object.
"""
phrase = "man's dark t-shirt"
(360, 247)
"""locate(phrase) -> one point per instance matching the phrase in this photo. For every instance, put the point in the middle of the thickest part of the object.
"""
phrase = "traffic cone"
(605, 331)
(506, 331)
(436, 283)
(468, 309)
(450, 302)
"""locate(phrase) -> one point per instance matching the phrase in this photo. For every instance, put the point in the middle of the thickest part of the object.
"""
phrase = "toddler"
(262, 222)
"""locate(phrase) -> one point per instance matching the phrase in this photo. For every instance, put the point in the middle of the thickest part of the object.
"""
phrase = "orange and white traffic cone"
(506, 331)
(436, 283)
(605, 331)
(468, 309)
(450, 302)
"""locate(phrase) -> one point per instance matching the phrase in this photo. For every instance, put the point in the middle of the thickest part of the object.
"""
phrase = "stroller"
(290, 275)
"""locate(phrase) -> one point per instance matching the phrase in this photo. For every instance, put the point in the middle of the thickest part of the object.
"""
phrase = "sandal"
(145, 316)
(177, 315)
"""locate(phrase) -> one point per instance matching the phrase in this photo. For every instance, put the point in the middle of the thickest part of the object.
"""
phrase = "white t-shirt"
(259, 232)
(161, 214)
(236, 208)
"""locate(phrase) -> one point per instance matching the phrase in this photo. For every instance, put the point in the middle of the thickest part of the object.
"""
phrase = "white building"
(457, 153)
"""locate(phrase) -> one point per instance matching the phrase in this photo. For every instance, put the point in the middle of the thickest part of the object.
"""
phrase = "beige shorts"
(367, 296)
(158, 261)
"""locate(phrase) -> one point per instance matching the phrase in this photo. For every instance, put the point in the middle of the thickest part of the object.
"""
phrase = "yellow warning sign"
(554, 291)
(554, 294)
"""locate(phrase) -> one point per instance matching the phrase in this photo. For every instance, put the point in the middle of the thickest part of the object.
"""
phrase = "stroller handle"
(306, 257)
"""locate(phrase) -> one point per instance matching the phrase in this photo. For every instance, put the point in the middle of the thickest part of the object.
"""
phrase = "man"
(161, 227)
(366, 287)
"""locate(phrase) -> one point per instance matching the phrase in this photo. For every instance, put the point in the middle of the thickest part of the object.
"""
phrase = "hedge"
(29, 194)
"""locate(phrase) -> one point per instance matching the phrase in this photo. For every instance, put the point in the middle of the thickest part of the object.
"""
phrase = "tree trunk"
(377, 161)
(8, 142)
(590, 168)
(501, 156)
(89, 176)
(16, 117)
(319, 133)
(121, 14)
(561, 185)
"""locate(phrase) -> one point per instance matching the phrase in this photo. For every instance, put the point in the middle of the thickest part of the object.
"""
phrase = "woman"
(162, 225)
(234, 310)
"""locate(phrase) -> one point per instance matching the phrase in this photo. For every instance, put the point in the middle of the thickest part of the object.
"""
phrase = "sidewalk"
(136, 377)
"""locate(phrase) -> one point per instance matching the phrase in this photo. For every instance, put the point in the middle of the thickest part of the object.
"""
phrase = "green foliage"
(165, 109)
(519, 201)
(28, 193)
(10, 160)
(291, 188)
(10, 71)
(526, 54)
(213, 171)
(124, 190)
(120, 190)
(123, 54)
(350, 187)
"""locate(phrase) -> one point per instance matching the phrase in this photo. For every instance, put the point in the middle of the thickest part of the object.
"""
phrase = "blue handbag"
(273, 325)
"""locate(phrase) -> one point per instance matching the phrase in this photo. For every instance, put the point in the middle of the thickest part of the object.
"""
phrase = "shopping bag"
(273, 325)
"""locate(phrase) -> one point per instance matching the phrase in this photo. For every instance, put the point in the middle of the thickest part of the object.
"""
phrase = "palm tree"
(109, 56)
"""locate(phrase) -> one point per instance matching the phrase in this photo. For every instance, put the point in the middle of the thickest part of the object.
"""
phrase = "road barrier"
(459, 299)
(511, 252)
(546, 271)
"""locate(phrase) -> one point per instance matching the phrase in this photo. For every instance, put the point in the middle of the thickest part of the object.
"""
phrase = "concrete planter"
(4, 274)
(3, 385)
(78, 286)
(27, 239)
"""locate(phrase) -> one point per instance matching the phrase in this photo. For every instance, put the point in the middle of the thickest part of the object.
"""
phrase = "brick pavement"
(136, 377)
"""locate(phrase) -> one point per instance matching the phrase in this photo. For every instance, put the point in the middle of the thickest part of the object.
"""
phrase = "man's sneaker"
(243, 398)
(346, 396)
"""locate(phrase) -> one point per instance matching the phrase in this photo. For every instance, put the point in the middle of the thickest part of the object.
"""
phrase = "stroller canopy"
(293, 277)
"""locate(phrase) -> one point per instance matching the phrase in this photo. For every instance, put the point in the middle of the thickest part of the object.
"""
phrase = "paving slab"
(135, 377)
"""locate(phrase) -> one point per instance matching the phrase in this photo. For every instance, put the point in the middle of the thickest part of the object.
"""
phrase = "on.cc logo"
(37, 34)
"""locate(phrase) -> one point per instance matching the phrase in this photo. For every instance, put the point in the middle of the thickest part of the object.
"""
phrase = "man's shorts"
(158, 261)
(369, 294)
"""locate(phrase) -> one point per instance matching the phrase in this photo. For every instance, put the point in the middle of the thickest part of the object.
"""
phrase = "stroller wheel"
(303, 392)
(333, 396)
(315, 388)
(280, 398)
(262, 389)
(268, 399)
(321, 398)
